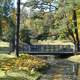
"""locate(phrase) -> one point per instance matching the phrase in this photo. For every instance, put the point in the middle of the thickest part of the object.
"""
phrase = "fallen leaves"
(24, 62)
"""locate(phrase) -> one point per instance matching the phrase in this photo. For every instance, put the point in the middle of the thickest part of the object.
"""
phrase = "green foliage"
(25, 35)
(64, 12)
(6, 7)
(56, 22)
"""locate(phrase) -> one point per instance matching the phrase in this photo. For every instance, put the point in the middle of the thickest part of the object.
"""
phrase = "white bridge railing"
(49, 48)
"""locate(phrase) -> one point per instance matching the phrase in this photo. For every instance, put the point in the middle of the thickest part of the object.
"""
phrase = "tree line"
(45, 18)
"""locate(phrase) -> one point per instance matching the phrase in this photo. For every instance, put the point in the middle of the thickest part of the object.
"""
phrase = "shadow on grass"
(13, 78)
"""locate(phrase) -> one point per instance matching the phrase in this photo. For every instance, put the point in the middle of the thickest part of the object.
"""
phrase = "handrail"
(48, 48)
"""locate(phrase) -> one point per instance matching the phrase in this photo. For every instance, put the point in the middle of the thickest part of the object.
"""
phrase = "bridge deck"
(49, 49)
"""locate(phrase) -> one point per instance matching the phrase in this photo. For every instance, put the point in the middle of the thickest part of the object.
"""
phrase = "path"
(60, 70)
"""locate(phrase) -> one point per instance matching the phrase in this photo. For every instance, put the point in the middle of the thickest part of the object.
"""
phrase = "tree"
(25, 36)
(17, 29)
(61, 19)
(70, 6)
(6, 8)
(40, 16)
(0, 29)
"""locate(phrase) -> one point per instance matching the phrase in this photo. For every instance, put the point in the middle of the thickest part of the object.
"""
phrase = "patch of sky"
(47, 7)
(15, 2)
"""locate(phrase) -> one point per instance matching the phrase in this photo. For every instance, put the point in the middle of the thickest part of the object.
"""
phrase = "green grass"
(21, 75)
(4, 44)
(6, 56)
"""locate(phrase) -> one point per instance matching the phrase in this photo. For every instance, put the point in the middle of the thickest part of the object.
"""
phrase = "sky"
(23, 1)
(15, 2)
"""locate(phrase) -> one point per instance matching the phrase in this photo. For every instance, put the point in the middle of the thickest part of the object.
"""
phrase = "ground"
(57, 69)
(28, 67)
(22, 68)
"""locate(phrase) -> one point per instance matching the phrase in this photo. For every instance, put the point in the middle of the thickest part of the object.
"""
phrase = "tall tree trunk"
(0, 31)
(11, 34)
(71, 33)
(12, 45)
(76, 29)
(17, 29)
(0, 28)
(69, 29)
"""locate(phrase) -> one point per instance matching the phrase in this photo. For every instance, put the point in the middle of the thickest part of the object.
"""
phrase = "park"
(39, 40)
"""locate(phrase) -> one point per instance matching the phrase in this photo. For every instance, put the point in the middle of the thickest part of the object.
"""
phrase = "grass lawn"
(4, 44)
